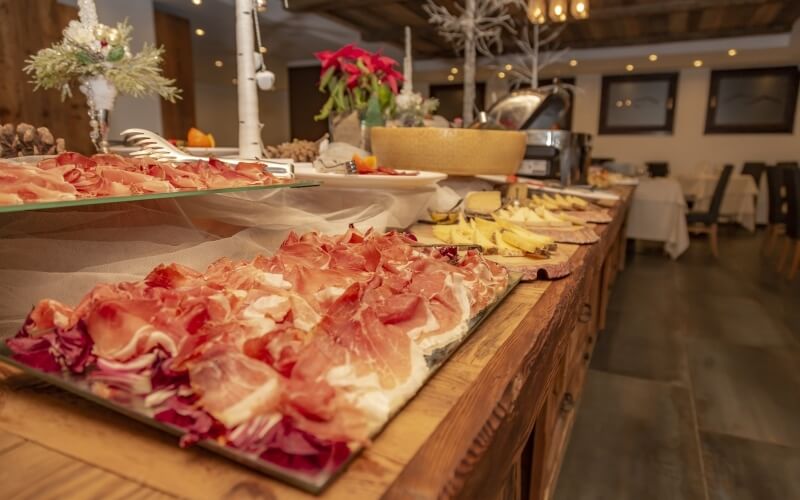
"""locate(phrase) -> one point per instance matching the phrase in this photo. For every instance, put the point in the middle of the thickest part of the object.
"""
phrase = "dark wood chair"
(657, 168)
(708, 222)
(776, 218)
(754, 169)
(791, 248)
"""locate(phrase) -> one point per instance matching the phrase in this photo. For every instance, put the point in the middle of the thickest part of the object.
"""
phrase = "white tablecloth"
(739, 202)
(658, 213)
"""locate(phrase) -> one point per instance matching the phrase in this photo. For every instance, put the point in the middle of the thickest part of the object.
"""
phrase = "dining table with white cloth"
(739, 202)
(658, 213)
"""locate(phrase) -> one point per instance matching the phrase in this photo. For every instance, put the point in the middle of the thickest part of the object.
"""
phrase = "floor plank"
(751, 392)
(742, 469)
(632, 439)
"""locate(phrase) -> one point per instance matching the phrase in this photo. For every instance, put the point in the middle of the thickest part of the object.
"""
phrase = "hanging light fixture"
(537, 10)
(580, 9)
(558, 11)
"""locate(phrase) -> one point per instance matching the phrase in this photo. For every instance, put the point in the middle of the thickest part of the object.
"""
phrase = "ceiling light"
(536, 11)
(652, 57)
(697, 63)
(509, 67)
(197, 2)
(501, 75)
(453, 70)
(619, 104)
(629, 67)
(262, 49)
(199, 32)
(580, 9)
(558, 10)
(732, 52)
(235, 81)
(450, 78)
(218, 63)
(573, 62)
(628, 103)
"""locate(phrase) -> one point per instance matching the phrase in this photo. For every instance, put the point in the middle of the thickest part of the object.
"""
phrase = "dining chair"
(776, 218)
(708, 222)
(754, 169)
(791, 247)
(657, 168)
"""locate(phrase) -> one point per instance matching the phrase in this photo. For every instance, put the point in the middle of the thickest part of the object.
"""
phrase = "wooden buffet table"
(493, 422)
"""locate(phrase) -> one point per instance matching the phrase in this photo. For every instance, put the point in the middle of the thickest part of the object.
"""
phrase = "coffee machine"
(552, 152)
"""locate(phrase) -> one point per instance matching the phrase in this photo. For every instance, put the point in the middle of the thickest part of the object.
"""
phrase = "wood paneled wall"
(175, 34)
(26, 28)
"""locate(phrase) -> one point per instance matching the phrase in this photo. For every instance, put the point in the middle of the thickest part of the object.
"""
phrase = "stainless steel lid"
(530, 108)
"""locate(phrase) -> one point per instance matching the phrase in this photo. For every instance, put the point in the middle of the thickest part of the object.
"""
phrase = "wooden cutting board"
(531, 268)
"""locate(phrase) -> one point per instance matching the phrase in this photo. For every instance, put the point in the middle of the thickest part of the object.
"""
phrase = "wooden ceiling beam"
(333, 5)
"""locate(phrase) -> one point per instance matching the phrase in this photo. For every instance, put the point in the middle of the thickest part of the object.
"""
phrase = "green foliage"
(68, 61)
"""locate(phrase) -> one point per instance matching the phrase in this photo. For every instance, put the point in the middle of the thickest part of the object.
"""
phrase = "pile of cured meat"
(297, 358)
(71, 176)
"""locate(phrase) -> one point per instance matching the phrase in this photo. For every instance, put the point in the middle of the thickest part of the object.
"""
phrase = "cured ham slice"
(295, 358)
(20, 184)
(233, 387)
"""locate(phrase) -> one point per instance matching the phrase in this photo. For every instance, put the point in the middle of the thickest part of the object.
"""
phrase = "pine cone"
(8, 139)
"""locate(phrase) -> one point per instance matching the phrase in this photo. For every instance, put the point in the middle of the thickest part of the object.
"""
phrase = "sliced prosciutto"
(295, 358)
(71, 176)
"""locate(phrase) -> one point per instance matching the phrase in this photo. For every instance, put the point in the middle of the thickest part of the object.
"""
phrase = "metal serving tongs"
(152, 145)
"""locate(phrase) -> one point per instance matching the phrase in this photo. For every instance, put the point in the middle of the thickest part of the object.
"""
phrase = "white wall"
(688, 147)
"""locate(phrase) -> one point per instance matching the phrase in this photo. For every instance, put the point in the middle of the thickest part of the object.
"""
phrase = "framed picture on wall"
(638, 104)
(760, 100)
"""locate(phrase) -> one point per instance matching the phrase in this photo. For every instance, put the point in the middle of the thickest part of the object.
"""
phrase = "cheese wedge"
(483, 202)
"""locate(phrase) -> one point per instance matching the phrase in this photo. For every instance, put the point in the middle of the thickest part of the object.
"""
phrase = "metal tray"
(310, 483)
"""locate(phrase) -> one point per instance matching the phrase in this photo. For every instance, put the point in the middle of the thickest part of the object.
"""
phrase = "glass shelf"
(25, 207)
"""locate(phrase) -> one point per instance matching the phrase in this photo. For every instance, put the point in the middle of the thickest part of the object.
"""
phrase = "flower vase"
(100, 94)
(346, 127)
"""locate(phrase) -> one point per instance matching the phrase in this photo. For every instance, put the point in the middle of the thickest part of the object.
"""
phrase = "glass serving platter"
(25, 207)
(316, 483)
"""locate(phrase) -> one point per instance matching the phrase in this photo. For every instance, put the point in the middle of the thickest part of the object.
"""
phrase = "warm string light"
(558, 10)
(537, 10)
(580, 9)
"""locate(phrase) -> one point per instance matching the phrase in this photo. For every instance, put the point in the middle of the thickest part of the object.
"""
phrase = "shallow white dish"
(206, 152)
(306, 172)
(594, 194)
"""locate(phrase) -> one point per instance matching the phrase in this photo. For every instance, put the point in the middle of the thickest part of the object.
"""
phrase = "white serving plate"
(306, 172)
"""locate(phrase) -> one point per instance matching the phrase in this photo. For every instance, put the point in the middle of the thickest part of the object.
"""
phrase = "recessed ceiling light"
(199, 32)
(628, 103)
(197, 2)
(619, 104)
(732, 52)
(262, 49)
(450, 78)
(697, 63)
(501, 75)
(653, 57)
(509, 67)
(235, 81)
(573, 62)
(453, 70)
(218, 63)
(629, 67)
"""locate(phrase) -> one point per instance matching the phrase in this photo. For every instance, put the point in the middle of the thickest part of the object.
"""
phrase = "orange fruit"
(197, 139)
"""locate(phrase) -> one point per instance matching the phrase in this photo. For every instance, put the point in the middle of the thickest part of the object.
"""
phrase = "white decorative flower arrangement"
(98, 58)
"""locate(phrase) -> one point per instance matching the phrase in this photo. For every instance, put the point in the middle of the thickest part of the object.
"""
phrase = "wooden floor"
(694, 388)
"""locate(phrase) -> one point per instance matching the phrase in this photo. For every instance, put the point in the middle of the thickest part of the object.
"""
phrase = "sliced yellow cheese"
(444, 233)
(505, 249)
